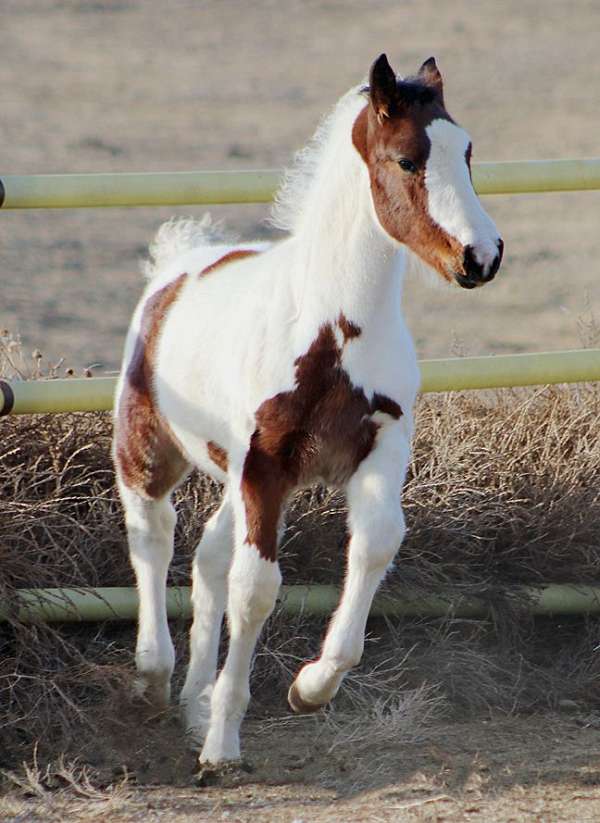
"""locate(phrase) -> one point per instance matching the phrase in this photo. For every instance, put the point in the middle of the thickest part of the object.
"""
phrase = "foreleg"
(376, 525)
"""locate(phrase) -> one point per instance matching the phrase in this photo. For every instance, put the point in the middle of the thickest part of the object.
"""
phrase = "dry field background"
(446, 720)
(118, 85)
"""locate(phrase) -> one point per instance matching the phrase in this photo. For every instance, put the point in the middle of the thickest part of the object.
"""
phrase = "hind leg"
(149, 464)
(150, 528)
(209, 595)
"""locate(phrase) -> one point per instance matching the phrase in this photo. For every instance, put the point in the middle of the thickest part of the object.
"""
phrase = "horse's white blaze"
(452, 202)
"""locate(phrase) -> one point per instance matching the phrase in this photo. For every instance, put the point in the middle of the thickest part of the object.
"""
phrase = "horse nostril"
(496, 262)
(478, 272)
(473, 269)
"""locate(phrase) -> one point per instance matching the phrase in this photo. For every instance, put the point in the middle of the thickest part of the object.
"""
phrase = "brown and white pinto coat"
(271, 368)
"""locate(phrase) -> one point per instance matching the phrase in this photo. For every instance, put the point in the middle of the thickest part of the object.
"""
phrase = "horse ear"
(382, 87)
(430, 74)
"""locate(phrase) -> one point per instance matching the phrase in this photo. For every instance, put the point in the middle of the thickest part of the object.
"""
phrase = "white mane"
(319, 183)
(300, 193)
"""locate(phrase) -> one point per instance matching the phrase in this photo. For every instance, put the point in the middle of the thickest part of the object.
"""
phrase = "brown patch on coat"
(322, 429)
(264, 489)
(400, 198)
(147, 456)
(217, 455)
(230, 257)
(383, 403)
(349, 329)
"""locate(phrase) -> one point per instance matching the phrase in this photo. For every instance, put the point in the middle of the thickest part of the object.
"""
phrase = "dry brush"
(503, 490)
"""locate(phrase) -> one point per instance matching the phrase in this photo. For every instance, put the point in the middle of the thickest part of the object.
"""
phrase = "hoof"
(300, 706)
(154, 696)
(226, 772)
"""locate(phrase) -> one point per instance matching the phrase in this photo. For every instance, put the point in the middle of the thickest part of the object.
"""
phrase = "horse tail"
(177, 236)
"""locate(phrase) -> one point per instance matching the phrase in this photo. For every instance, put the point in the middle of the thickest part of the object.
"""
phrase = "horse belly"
(208, 367)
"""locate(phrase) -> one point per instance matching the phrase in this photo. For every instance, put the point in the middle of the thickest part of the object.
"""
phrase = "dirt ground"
(501, 769)
(126, 85)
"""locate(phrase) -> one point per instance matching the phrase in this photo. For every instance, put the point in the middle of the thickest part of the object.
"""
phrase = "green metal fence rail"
(62, 191)
(453, 374)
(116, 603)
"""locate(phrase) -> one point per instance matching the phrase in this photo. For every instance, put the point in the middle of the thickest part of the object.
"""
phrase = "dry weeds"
(64, 789)
(503, 490)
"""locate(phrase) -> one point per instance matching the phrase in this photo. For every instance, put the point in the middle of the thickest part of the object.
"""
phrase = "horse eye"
(407, 165)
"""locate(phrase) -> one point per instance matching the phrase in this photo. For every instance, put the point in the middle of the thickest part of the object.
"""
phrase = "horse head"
(418, 160)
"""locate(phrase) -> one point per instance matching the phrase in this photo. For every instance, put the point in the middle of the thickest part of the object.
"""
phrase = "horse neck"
(345, 261)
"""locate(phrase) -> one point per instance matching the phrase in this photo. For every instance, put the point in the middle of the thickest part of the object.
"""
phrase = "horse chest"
(324, 427)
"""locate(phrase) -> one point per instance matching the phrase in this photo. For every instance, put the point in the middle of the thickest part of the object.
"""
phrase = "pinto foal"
(273, 367)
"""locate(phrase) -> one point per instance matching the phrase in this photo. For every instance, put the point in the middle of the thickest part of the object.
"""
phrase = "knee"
(211, 560)
(213, 553)
(253, 588)
(392, 529)
(168, 517)
(383, 534)
(151, 519)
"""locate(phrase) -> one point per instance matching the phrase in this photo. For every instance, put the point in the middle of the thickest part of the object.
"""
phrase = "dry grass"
(54, 787)
(503, 489)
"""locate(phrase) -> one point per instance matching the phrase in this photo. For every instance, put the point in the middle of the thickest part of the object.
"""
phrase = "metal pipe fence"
(451, 374)
(64, 191)
(120, 603)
